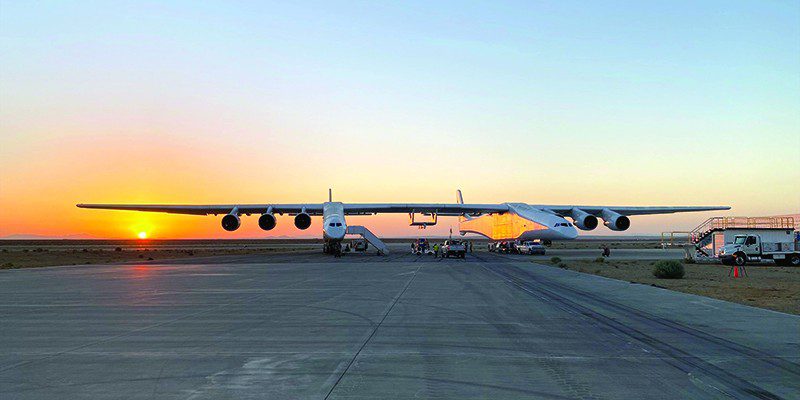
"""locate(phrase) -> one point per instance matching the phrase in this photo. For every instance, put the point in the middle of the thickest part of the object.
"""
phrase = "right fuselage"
(521, 222)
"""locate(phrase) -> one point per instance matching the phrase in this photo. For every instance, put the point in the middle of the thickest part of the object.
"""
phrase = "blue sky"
(529, 101)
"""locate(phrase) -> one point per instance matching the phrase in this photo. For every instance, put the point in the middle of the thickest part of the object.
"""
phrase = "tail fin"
(462, 217)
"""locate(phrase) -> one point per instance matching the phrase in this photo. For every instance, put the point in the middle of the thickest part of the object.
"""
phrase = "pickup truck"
(454, 248)
(531, 247)
(779, 245)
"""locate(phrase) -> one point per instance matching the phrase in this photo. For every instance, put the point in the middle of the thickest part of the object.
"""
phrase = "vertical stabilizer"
(330, 194)
(462, 217)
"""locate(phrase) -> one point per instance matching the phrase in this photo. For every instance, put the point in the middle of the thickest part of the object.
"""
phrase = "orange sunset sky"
(260, 105)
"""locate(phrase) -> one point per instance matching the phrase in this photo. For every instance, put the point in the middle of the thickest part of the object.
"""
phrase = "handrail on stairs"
(722, 223)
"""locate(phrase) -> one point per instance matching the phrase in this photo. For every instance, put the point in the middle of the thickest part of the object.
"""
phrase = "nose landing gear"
(334, 248)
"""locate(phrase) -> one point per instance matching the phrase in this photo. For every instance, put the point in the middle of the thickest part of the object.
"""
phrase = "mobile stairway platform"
(369, 237)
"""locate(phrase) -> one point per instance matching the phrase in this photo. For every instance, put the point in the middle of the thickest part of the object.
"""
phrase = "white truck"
(531, 247)
(755, 245)
(455, 248)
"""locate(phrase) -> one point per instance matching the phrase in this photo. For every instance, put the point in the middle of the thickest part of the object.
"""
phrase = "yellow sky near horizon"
(44, 180)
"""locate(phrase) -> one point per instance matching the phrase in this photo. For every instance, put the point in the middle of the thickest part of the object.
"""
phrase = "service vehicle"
(505, 247)
(421, 246)
(531, 247)
(755, 245)
(359, 245)
(454, 248)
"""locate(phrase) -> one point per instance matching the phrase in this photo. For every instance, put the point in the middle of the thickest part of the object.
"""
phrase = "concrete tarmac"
(308, 326)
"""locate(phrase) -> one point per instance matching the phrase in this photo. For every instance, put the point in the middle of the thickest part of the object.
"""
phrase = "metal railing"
(675, 238)
(721, 223)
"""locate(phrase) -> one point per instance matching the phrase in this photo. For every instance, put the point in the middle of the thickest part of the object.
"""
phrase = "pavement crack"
(372, 334)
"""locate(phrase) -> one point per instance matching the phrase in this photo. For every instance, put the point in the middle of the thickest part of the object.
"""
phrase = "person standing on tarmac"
(436, 250)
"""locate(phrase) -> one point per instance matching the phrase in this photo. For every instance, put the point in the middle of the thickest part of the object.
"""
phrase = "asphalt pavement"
(306, 325)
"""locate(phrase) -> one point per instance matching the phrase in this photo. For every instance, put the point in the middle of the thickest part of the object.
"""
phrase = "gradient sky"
(629, 103)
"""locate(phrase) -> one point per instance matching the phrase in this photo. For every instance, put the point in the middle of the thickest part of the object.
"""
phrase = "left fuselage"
(334, 226)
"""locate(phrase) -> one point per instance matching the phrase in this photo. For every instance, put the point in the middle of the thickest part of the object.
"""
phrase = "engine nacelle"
(302, 221)
(267, 221)
(583, 220)
(231, 222)
(615, 221)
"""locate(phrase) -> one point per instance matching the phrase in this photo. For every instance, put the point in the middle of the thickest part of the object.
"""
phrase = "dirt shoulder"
(46, 257)
(770, 287)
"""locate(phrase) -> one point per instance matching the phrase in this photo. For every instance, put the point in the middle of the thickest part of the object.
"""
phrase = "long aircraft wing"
(625, 210)
(379, 208)
(438, 208)
(311, 209)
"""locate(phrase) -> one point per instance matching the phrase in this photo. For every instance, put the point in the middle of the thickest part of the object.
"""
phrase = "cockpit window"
(338, 224)
(331, 224)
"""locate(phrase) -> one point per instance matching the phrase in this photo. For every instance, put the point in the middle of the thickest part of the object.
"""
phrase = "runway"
(305, 325)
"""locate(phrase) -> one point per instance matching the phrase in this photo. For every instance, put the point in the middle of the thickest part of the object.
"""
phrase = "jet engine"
(231, 222)
(267, 221)
(583, 220)
(302, 221)
(615, 221)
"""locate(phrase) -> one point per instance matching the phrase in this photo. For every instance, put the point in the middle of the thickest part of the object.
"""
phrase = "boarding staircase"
(369, 237)
(703, 234)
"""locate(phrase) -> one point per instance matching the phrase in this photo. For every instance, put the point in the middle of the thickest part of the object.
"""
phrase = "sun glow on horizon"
(142, 235)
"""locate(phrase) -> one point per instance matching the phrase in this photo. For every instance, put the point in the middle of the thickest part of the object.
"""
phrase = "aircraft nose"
(570, 233)
(339, 232)
(335, 229)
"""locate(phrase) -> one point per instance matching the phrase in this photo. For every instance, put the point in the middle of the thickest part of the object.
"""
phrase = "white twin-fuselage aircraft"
(505, 221)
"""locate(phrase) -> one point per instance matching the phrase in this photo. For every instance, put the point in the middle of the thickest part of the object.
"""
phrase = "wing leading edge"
(624, 210)
(380, 208)
(311, 209)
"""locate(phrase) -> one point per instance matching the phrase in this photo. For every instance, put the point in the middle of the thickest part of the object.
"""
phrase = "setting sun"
(142, 235)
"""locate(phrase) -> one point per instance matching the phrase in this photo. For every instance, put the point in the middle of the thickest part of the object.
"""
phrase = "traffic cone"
(735, 271)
